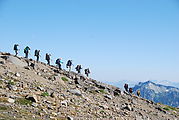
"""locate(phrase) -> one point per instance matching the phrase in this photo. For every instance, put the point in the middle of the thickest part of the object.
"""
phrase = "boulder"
(69, 118)
(12, 87)
(79, 82)
(27, 67)
(127, 107)
(91, 89)
(100, 85)
(24, 85)
(53, 95)
(32, 97)
(10, 100)
(2, 62)
(104, 106)
(5, 53)
(5, 57)
(17, 75)
(34, 104)
(117, 92)
(75, 92)
(64, 103)
(82, 77)
(108, 96)
(40, 88)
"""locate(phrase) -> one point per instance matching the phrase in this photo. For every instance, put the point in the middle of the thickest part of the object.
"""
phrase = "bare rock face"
(16, 61)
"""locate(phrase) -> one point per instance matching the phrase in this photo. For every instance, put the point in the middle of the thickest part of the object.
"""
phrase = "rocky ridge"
(159, 93)
(43, 92)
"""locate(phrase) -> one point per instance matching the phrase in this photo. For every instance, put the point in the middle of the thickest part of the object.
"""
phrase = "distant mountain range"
(132, 83)
(121, 83)
(159, 93)
(166, 82)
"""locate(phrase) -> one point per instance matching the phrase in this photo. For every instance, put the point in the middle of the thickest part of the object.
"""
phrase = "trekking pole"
(30, 54)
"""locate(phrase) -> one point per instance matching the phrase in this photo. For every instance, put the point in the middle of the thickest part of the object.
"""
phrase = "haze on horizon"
(117, 40)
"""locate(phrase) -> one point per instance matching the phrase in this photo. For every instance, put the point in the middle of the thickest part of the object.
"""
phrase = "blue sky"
(118, 40)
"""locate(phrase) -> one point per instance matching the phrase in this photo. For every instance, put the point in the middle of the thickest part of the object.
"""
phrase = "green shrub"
(11, 82)
(64, 79)
(2, 107)
(169, 108)
(102, 91)
(23, 101)
(44, 94)
(1, 81)
(166, 108)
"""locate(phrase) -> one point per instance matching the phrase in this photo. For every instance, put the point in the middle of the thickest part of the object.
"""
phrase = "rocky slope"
(45, 93)
(159, 93)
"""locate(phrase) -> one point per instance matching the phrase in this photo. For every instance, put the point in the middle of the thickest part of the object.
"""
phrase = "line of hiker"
(130, 90)
(58, 62)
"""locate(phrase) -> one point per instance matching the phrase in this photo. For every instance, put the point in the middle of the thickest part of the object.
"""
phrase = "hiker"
(78, 68)
(26, 51)
(37, 54)
(59, 62)
(87, 72)
(126, 87)
(47, 57)
(16, 49)
(130, 90)
(69, 64)
(138, 92)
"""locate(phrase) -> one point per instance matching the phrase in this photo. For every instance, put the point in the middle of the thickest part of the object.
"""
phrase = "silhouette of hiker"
(26, 51)
(37, 54)
(69, 64)
(87, 72)
(130, 90)
(47, 57)
(126, 87)
(78, 68)
(16, 49)
(59, 62)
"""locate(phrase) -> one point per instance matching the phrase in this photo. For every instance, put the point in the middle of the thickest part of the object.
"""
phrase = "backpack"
(77, 67)
(47, 57)
(130, 90)
(138, 92)
(36, 53)
(87, 71)
(15, 47)
(25, 50)
(57, 61)
(69, 63)
(126, 86)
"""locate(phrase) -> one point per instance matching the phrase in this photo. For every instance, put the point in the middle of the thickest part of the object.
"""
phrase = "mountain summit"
(37, 91)
(159, 93)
